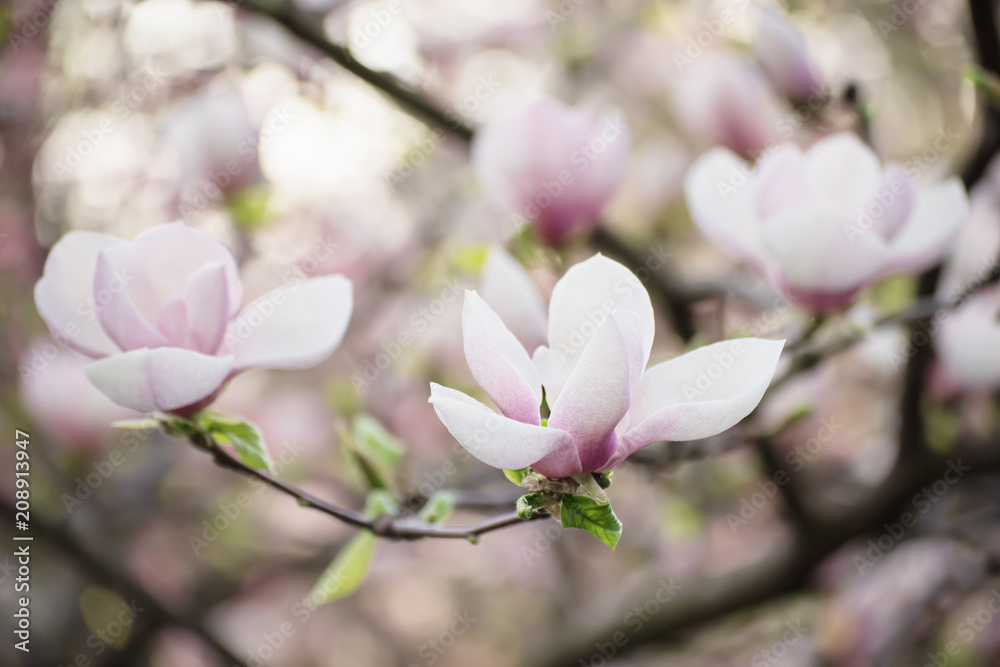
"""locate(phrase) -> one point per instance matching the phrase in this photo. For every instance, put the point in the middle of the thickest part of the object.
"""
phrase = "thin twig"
(386, 526)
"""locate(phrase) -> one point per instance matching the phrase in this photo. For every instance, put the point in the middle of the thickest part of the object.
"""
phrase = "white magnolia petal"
(931, 229)
(499, 362)
(844, 171)
(64, 296)
(509, 290)
(165, 379)
(700, 393)
(294, 326)
(492, 438)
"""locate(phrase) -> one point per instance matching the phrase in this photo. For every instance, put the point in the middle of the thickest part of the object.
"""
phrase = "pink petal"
(782, 184)
(720, 197)
(844, 171)
(499, 363)
(700, 393)
(494, 439)
(890, 208)
(64, 296)
(817, 251)
(171, 253)
(968, 343)
(599, 391)
(294, 326)
(784, 55)
(512, 294)
(931, 229)
(206, 300)
(121, 278)
(165, 379)
(581, 300)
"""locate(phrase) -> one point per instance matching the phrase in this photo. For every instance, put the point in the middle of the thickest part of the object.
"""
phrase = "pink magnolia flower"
(160, 316)
(605, 403)
(552, 164)
(782, 52)
(825, 223)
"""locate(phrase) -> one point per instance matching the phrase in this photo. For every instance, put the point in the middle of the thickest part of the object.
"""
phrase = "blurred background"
(237, 119)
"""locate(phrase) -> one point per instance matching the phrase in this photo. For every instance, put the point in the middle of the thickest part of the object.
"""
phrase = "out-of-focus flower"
(604, 405)
(509, 290)
(784, 56)
(60, 401)
(826, 223)
(724, 98)
(555, 165)
(968, 339)
(160, 315)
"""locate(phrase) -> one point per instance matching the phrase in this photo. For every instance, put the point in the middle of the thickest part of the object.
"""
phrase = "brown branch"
(386, 526)
(59, 536)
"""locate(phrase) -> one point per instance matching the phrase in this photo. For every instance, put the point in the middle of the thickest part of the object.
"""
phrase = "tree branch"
(389, 527)
(59, 536)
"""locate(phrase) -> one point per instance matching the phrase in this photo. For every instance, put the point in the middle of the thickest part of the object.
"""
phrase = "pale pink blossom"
(783, 54)
(554, 165)
(509, 290)
(161, 316)
(605, 404)
(825, 223)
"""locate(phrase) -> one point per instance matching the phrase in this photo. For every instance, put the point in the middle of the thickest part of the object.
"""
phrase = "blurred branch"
(786, 570)
(386, 526)
(307, 30)
(59, 536)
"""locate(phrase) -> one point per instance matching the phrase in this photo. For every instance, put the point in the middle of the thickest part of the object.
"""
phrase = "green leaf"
(526, 505)
(380, 502)
(137, 424)
(347, 571)
(438, 508)
(242, 435)
(591, 486)
(595, 518)
(516, 475)
(373, 441)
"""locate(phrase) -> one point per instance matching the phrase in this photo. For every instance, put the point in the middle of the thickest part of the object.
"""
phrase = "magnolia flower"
(510, 291)
(724, 98)
(823, 224)
(783, 54)
(604, 403)
(552, 164)
(160, 316)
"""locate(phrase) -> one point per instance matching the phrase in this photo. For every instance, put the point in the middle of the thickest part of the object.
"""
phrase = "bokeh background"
(120, 116)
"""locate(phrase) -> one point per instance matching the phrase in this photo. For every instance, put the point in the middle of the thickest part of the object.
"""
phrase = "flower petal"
(492, 438)
(171, 253)
(700, 393)
(969, 342)
(931, 228)
(499, 363)
(891, 206)
(782, 184)
(509, 290)
(64, 296)
(121, 281)
(295, 326)
(206, 300)
(581, 300)
(167, 378)
(599, 391)
(816, 251)
(844, 171)
(721, 202)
